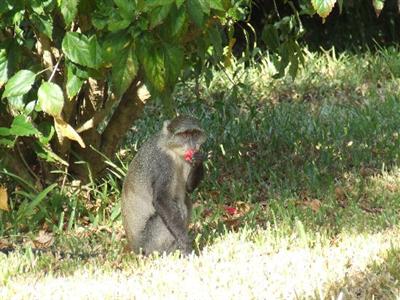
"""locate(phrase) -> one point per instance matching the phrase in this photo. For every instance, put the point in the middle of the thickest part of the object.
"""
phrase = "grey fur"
(155, 209)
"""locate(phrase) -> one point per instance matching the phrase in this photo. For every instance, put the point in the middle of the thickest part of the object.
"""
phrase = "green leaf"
(340, 3)
(323, 7)
(116, 22)
(113, 44)
(158, 15)
(69, 9)
(153, 3)
(99, 22)
(378, 6)
(19, 84)
(43, 150)
(126, 8)
(3, 67)
(124, 70)
(16, 104)
(179, 3)
(152, 59)
(21, 126)
(7, 141)
(29, 107)
(217, 5)
(46, 132)
(178, 22)
(216, 41)
(270, 37)
(82, 50)
(294, 66)
(195, 10)
(205, 6)
(173, 63)
(30, 208)
(154, 68)
(74, 83)
(51, 98)
(4, 131)
(43, 25)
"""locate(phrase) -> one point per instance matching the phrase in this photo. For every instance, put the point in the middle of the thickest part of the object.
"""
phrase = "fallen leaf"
(341, 196)
(391, 187)
(43, 240)
(4, 199)
(372, 210)
(314, 204)
(4, 244)
(367, 172)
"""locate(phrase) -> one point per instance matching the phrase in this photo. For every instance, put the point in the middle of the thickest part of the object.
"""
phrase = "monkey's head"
(184, 136)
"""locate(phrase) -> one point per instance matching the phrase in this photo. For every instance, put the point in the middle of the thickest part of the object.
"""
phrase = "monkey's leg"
(157, 237)
(169, 211)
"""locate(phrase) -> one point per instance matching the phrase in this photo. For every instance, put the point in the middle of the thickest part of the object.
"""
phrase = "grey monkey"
(155, 208)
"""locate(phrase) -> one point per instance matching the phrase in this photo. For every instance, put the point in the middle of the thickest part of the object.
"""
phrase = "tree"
(71, 73)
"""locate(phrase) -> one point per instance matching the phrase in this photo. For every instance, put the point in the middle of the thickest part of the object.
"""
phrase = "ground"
(301, 197)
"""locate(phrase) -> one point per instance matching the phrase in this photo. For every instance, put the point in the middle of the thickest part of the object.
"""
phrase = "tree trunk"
(127, 111)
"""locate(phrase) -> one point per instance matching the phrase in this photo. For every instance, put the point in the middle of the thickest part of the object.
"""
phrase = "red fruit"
(230, 210)
(189, 154)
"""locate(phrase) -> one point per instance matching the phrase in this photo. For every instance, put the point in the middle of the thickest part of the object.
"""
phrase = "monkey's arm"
(168, 210)
(196, 173)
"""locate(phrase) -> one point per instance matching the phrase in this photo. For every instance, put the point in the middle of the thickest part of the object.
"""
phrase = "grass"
(310, 165)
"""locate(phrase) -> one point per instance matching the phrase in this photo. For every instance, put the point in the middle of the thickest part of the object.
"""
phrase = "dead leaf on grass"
(371, 210)
(368, 172)
(314, 204)
(43, 240)
(391, 187)
(234, 213)
(341, 196)
(4, 199)
(4, 244)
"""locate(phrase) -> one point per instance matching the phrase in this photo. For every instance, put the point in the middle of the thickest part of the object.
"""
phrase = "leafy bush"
(72, 74)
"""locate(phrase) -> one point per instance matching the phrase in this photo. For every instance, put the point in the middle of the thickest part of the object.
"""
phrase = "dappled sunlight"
(246, 265)
(387, 182)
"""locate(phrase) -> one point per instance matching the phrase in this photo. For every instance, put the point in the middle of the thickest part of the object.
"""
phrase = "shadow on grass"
(331, 166)
(381, 280)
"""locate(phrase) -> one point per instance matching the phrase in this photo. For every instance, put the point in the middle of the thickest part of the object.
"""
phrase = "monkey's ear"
(165, 129)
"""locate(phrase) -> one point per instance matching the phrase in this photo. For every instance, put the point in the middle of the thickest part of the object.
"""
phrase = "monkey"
(155, 207)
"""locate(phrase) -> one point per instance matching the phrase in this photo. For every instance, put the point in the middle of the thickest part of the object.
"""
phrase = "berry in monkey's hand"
(188, 156)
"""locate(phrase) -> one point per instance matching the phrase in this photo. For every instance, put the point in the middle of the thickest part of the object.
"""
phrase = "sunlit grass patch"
(248, 264)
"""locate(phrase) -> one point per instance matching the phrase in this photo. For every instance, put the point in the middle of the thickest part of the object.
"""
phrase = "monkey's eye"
(188, 134)
(183, 135)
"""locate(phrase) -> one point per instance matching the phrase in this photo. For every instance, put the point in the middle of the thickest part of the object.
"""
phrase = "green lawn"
(311, 166)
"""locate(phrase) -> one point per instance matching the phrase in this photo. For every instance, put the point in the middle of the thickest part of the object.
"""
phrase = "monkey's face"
(186, 141)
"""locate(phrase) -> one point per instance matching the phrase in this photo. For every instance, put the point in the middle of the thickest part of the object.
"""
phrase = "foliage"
(345, 25)
(67, 73)
(70, 72)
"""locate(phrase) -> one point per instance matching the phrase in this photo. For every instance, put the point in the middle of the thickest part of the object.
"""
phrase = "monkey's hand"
(198, 157)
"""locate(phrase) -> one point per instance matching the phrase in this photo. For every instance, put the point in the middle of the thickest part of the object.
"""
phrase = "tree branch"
(128, 110)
